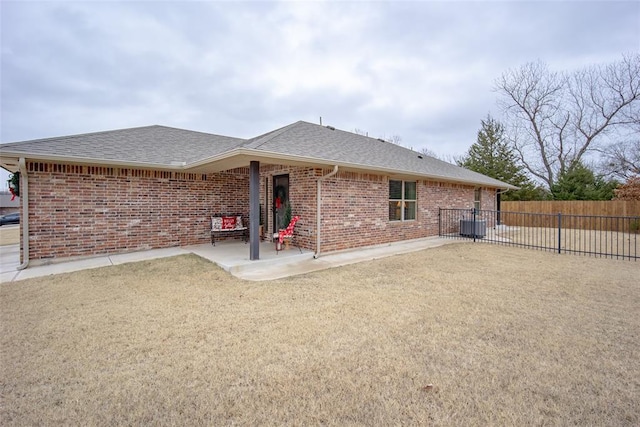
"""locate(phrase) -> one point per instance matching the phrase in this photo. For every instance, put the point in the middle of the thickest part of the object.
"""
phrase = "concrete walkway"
(231, 256)
(9, 264)
(305, 263)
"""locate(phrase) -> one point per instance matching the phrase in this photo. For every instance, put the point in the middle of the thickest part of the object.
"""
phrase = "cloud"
(421, 70)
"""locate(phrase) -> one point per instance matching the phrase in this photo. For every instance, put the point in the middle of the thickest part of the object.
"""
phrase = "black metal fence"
(603, 236)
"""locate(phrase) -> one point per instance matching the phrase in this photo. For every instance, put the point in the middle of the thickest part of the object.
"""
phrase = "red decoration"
(288, 232)
(13, 194)
(228, 222)
(278, 202)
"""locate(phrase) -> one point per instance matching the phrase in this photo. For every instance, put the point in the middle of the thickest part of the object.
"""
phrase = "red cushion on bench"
(228, 222)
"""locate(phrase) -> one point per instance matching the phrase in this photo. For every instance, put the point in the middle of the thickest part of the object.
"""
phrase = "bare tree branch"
(555, 119)
(621, 160)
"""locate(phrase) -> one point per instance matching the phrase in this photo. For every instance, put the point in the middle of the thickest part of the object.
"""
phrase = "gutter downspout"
(319, 204)
(24, 197)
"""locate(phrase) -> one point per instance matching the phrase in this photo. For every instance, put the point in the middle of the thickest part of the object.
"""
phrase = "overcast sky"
(420, 70)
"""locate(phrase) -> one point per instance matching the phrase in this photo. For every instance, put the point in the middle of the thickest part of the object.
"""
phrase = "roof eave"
(7, 158)
(305, 160)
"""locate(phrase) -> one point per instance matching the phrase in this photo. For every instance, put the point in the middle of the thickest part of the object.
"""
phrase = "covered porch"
(269, 195)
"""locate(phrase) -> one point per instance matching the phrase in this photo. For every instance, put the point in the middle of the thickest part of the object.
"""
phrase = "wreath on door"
(280, 195)
(14, 185)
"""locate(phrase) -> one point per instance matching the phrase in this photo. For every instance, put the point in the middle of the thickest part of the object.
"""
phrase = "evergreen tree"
(491, 155)
(580, 183)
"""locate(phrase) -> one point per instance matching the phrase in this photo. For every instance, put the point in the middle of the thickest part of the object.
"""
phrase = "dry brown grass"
(459, 335)
(9, 235)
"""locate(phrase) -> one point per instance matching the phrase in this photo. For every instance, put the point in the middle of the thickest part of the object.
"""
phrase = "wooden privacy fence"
(612, 215)
(576, 207)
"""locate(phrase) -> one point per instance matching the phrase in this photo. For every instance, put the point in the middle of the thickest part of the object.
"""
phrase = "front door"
(280, 201)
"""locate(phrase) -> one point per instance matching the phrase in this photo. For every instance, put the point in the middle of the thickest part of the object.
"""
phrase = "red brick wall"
(82, 210)
(355, 207)
(355, 210)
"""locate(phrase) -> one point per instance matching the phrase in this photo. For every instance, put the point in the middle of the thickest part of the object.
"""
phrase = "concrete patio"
(230, 255)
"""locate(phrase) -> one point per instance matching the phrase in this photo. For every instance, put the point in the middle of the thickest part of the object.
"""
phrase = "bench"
(227, 224)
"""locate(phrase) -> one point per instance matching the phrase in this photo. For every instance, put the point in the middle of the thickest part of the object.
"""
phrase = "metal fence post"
(473, 224)
(559, 232)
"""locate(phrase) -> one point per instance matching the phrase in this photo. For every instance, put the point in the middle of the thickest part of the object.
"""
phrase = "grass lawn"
(463, 334)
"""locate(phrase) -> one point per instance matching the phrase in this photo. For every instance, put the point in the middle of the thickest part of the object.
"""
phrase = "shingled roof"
(358, 151)
(298, 143)
(159, 145)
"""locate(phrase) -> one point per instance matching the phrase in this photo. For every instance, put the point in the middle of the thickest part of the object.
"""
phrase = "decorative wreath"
(14, 185)
(280, 195)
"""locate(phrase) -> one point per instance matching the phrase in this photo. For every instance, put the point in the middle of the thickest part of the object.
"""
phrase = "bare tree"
(449, 158)
(621, 160)
(556, 118)
(428, 152)
(395, 139)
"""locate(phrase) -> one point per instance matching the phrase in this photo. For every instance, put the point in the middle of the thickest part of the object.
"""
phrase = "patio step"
(268, 268)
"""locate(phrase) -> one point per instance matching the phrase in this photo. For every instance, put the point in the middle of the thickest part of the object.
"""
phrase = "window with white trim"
(402, 200)
(477, 198)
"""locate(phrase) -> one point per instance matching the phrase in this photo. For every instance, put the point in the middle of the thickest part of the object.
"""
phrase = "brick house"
(157, 187)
